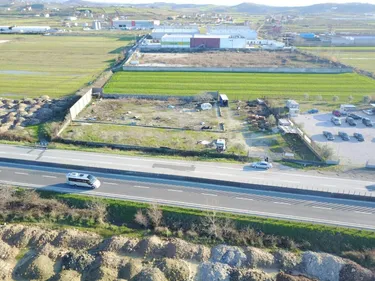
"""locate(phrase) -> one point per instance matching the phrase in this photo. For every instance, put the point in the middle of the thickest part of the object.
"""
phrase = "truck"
(220, 145)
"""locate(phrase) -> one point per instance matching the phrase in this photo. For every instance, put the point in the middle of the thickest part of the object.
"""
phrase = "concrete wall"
(80, 104)
(238, 69)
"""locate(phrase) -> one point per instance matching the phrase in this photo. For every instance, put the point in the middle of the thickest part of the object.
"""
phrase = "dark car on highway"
(367, 122)
(328, 135)
(350, 121)
(355, 116)
(359, 136)
(344, 136)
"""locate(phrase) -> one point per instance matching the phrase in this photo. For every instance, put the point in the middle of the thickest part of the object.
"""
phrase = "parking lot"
(350, 152)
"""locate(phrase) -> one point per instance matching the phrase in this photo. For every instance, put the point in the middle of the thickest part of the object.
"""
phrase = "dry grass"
(230, 59)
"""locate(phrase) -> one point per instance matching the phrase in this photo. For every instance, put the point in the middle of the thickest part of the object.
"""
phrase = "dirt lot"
(349, 152)
(172, 113)
(228, 59)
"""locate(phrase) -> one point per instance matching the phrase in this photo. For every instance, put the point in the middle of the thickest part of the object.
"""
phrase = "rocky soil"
(34, 253)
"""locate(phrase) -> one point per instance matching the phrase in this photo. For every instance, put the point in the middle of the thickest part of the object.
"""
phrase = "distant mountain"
(250, 8)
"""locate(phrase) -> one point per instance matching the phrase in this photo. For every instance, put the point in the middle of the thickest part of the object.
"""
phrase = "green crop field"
(53, 65)
(360, 57)
(241, 85)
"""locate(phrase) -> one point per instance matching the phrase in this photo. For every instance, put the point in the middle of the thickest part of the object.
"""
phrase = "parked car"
(344, 136)
(367, 122)
(328, 135)
(359, 136)
(355, 116)
(313, 110)
(262, 165)
(336, 121)
(336, 113)
(350, 121)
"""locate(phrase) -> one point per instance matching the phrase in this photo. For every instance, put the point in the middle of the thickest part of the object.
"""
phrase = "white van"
(84, 180)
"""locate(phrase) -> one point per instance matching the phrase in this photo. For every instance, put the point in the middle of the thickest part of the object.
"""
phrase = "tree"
(211, 225)
(350, 98)
(326, 152)
(366, 99)
(335, 98)
(319, 98)
(100, 210)
(155, 215)
(6, 194)
(271, 120)
(306, 96)
(141, 219)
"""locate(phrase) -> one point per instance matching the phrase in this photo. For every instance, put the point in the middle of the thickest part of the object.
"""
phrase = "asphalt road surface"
(355, 214)
(219, 171)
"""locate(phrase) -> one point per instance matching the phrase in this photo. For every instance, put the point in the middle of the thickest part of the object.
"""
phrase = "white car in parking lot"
(261, 165)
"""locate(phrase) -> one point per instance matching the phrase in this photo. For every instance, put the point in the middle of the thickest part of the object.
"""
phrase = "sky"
(235, 2)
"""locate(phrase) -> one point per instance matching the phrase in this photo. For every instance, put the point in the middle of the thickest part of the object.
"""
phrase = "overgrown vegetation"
(242, 85)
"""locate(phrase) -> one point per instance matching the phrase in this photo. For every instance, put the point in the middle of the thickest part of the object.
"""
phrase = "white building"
(233, 30)
(24, 29)
(96, 25)
(71, 18)
(230, 42)
(176, 41)
(293, 107)
(134, 24)
(158, 32)
(267, 44)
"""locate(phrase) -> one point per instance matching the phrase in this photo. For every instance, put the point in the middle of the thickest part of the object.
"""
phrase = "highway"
(339, 212)
(219, 171)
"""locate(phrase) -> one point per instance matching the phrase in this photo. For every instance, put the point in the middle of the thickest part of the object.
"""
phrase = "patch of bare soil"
(229, 59)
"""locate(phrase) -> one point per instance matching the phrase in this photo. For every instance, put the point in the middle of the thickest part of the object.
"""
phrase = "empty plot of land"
(53, 65)
(242, 85)
(172, 113)
(154, 137)
(229, 59)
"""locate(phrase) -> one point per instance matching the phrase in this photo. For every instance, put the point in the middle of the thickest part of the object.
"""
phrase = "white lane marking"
(174, 190)
(323, 208)
(24, 154)
(51, 177)
(21, 173)
(209, 194)
(194, 205)
(110, 183)
(364, 213)
(247, 199)
(282, 203)
(140, 186)
(329, 185)
(290, 181)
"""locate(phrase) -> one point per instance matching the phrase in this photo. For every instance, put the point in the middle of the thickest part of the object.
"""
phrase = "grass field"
(53, 65)
(241, 85)
(360, 57)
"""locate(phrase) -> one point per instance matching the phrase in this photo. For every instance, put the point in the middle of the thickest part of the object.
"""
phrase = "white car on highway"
(83, 180)
(261, 165)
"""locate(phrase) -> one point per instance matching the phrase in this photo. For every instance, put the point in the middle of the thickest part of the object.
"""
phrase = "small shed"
(223, 99)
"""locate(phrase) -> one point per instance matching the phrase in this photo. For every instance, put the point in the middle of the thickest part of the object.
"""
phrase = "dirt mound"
(249, 275)
(130, 246)
(78, 261)
(113, 244)
(149, 274)
(6, 251)
(75, 239)
(20, 236)
(353, 271)
(67, 275)
(324, 267)
(6, 270)
(50, 251)
(39, 268)
(131, 269)
(286, 260)
(209, 271)
(101, 273)
(175, 270)
(181, 249)
(259, 258)
(286, 277)
(232, 256)
(151, 247)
